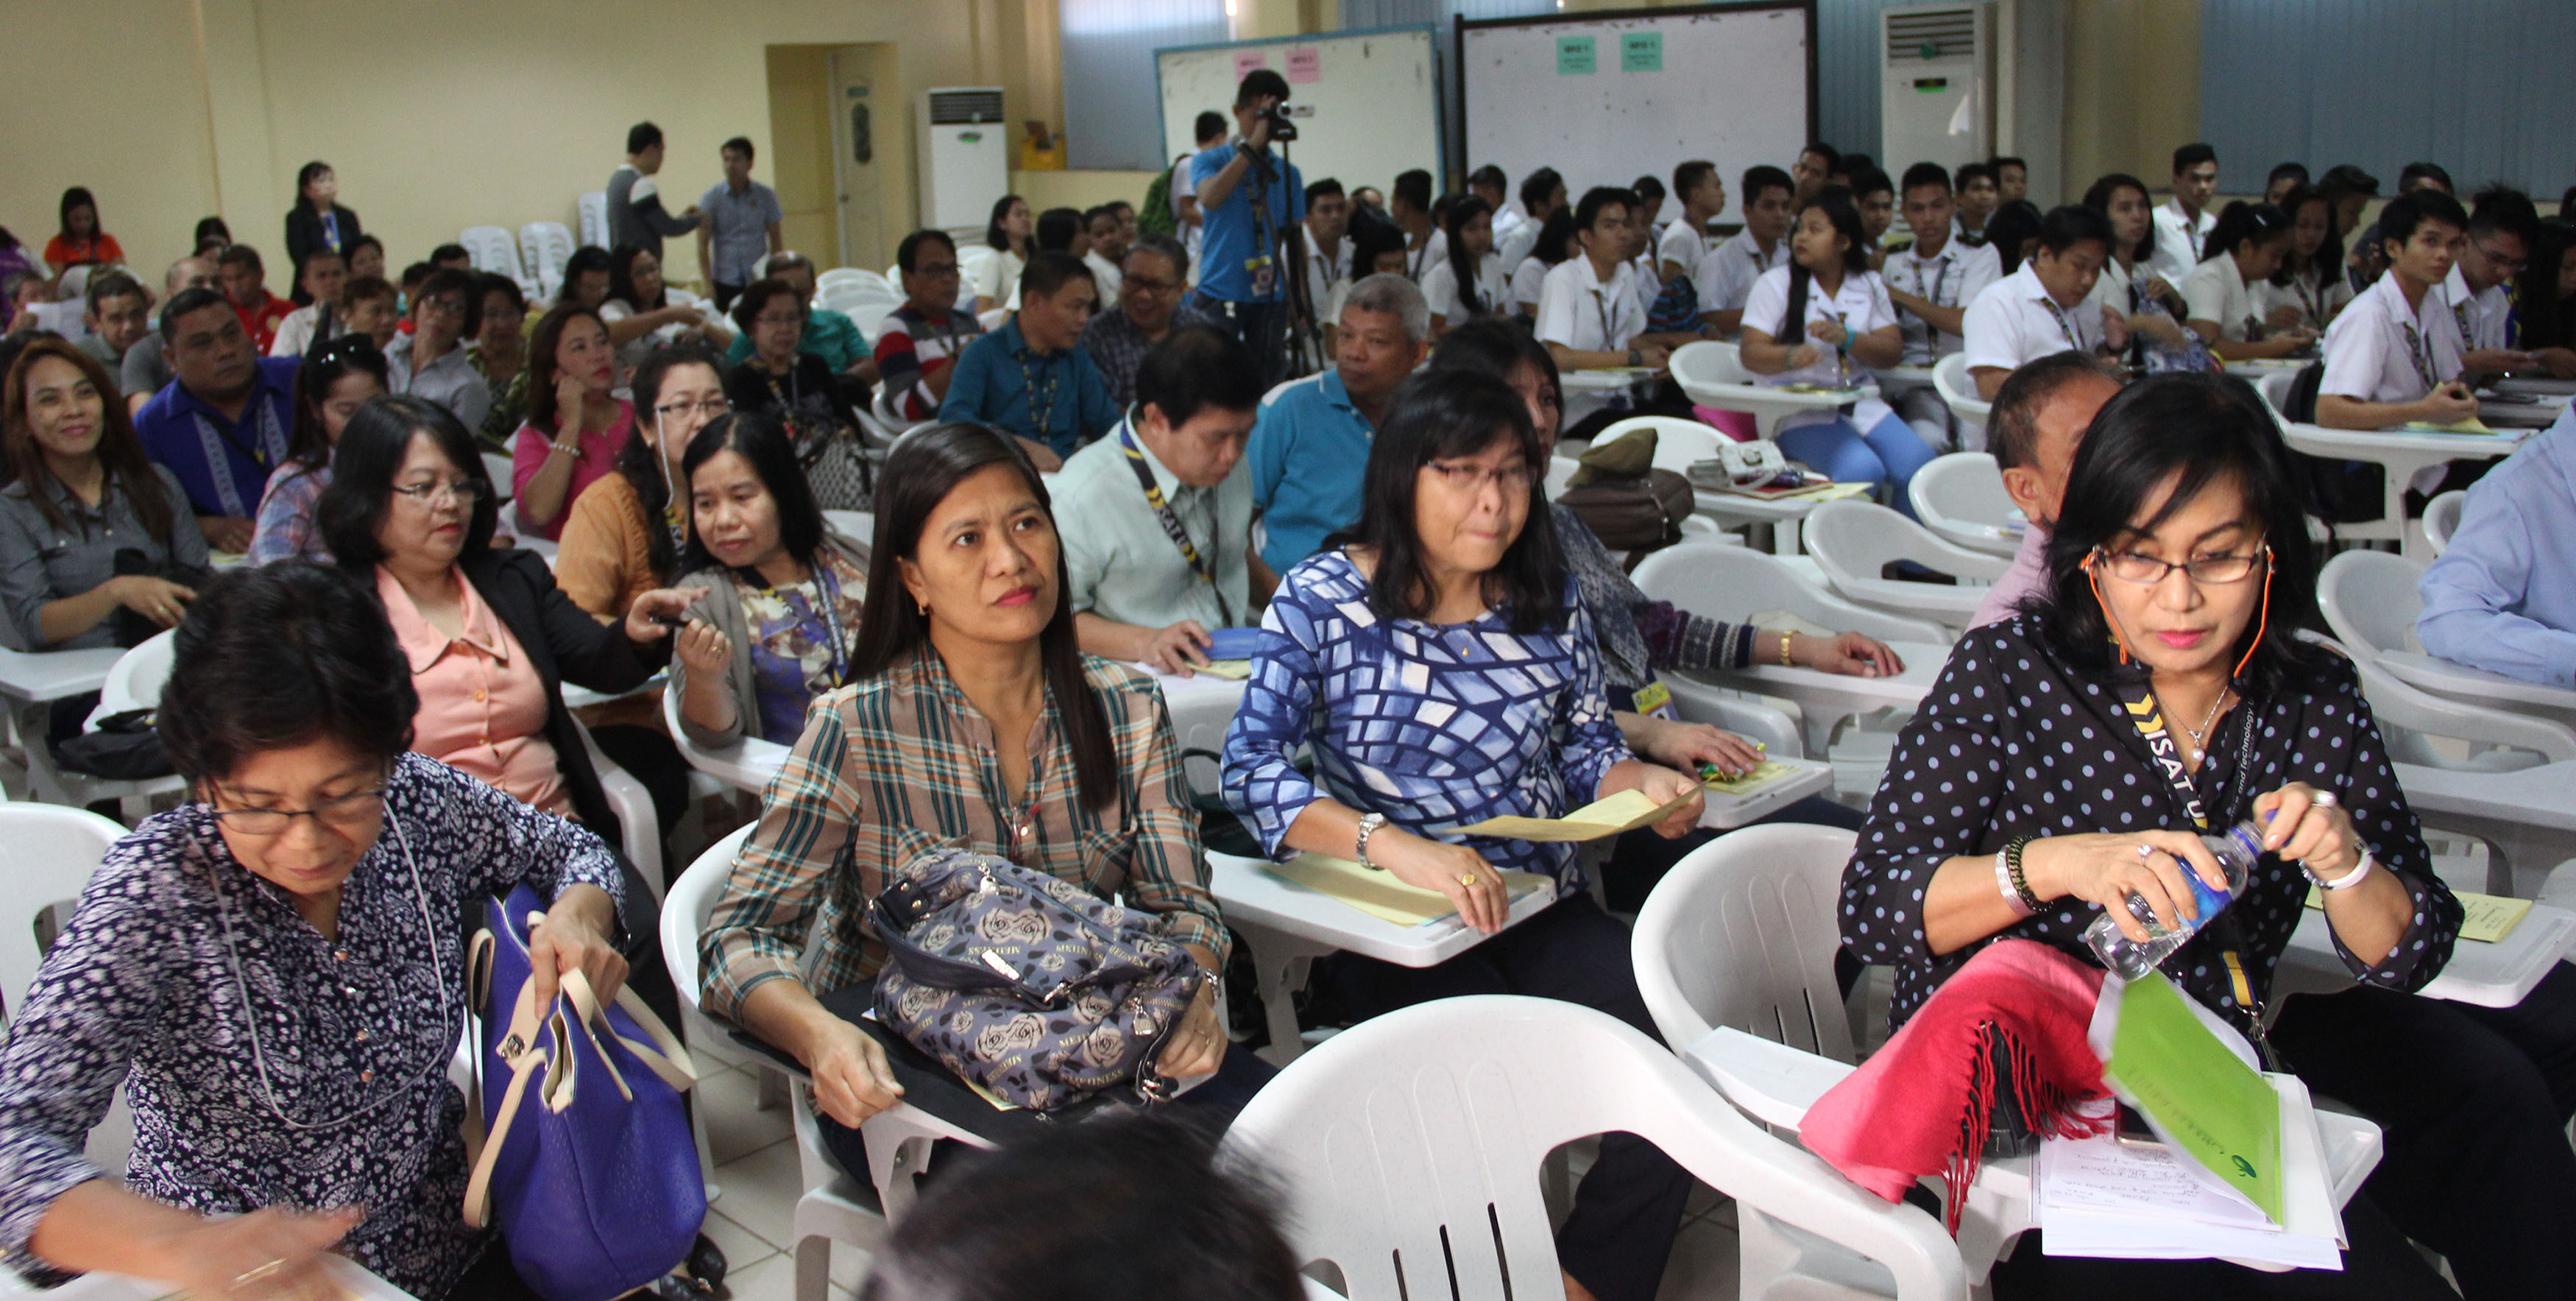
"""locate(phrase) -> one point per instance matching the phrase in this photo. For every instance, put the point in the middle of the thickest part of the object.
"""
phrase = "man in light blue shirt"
(741, 226)
(1310, 449)
(1032, 377)
(1152, 575)
(1248, 197)
(2503, 597)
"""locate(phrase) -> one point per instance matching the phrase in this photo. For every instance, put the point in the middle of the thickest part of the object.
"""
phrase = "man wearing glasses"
(2497, 248)
(430, 362)
(1151, 282)
(917, 351)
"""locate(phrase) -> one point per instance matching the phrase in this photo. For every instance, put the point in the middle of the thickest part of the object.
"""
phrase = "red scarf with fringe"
(1920, 1105)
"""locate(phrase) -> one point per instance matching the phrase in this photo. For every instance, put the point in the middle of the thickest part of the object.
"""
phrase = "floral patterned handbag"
(1027, 985)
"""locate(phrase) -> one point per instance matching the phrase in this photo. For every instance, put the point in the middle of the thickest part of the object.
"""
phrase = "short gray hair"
(1397, 297)
(785, 260)
(1164, 246)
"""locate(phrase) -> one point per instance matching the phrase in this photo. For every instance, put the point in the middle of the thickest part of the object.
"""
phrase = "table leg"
(1280, 962)
(1784, 537)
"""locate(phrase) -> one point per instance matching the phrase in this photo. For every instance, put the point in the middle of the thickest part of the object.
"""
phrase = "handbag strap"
(661, 1051)
(524, 1062)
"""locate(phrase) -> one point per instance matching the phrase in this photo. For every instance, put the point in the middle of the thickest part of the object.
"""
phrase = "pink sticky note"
(1305, 67)
(1247, 60)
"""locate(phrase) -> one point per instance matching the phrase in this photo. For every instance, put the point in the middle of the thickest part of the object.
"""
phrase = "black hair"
(1489, 177)
(1498, 346)
(641, 464)
(2072, 224)
(755, 296)
(994, 235)
(1462, 268)
(1922, 174)
(1260, 82)
(304, 177)
(308, 446)
(2001, 161)
(2197, 429)
(1760, 177)
(1412, 187)
(214, 228)
(621, 279)
(922, 469)
(2192, 155)
(2326, 264)
(642, 136)
(1648, 189)
(1553, 235)
(2012, 426)
(273, 656)
(907, 255)
(1970, 171)
(1209, 125)
(1372, 233)
(2344, 178)
(2014, 224)
(363, 466)
(2099, 197)
(1057, 227)
(1196, 368)
(1833, 157)
(466, 283)
(1870, 180)
(113, 284)
(240, 255)
(2548, 321)
(305, 263)
(1835, 202)
(359, 289)
(742, 143)
(1851, 163)
(1436, 415)
(489, 283)
(188, 302)
(1588, 210)
(1318, 189)
(79, 197)
(449, 253)
(1538, 187)
(2502, 209)
(120, 452)
(544, 369)
(2244, 223)
(1690, 175)
(1047, 272)
(363, 241)
(2279, 170)
(1154, 1216)
(584, 260)
(2399, 217)
(765, 444)
(1095, 212)
(2408, 175)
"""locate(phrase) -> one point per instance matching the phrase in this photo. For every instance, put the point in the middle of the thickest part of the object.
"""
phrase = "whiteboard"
(1735, 88)
(1374, 97)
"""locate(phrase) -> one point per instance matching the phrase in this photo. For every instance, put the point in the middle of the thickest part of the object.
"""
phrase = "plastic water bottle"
(2236, 849)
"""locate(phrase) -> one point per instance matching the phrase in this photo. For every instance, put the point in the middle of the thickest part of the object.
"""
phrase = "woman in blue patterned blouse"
(1444, 672)
(274, 975)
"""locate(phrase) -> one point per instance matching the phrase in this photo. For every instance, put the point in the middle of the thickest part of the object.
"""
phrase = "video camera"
(1282, 130)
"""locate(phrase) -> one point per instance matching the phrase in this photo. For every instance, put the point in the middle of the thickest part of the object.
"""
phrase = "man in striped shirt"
(917, 352)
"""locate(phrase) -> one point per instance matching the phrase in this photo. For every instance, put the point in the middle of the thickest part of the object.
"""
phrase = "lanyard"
(1054, 378)
(2147, 715)
(1172, 522)
(827, 591)
(786, 400)
(2419, 354)
(2460, 317)
(2064, 325)
(1601, 305)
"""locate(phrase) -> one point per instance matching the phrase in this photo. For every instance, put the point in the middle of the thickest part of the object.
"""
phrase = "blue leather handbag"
(589, 1169)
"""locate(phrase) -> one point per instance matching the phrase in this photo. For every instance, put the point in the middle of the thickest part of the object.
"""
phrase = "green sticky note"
(1641, 52)
(2214, 1108)
(1575, 56)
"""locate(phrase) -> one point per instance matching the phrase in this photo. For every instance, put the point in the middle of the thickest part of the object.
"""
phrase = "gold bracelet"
(1785, 661)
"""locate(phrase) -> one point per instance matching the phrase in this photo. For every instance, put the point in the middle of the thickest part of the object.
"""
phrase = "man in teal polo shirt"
(1032, 377)
(1310, 449)
(829, 335)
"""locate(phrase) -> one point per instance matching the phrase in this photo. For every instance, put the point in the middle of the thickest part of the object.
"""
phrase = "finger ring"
(2146, 852)
(1469, 878)
(2325, 800)
(260, 1274)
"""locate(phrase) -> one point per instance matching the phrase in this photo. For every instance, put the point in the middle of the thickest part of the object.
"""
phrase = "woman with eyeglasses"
(798, 390)
(334, 381)
(628, 528)
(1441, 667)
(2027, 797)
(273, 976)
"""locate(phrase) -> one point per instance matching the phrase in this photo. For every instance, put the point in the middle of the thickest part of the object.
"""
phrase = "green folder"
(2205, 1101)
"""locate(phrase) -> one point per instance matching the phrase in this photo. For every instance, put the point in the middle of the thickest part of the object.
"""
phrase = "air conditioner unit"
(1936, 84)
(965, 156)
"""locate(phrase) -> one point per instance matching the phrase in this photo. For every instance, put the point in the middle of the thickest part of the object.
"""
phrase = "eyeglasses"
(444, 305)
(1474, 478)
(935, 270)
(2508, 265)
(1143, 285)
(777, 321)
(354, 809)
(2147, 571)
(462, 492)
(708, 407)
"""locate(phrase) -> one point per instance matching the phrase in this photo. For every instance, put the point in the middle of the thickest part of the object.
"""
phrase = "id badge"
(1263, 275)
(1655, 700)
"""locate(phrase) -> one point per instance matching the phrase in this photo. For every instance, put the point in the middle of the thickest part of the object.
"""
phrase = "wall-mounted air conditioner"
(965, 156)
(1936, 85)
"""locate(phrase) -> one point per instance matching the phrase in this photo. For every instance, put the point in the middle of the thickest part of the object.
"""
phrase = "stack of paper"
(1380, 895)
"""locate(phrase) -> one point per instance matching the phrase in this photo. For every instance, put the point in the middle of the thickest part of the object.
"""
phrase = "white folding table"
(2478, 686)
(2400, 453)
(2525, 816)
(1826, 699)
(31, 683)
(2479, 974)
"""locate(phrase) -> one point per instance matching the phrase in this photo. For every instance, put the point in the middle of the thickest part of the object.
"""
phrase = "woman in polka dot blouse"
(2022, 799)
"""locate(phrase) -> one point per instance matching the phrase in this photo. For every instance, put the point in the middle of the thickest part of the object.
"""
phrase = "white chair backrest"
(838, 276)
(2442, 518)
(993, 319)
(2408, 714)
(1679, 444)
(499, 468)
(593, 210)
(1853, 540)
(1742, 933)
(544, 247)
(857, 525)
(1963, 486)
(685, 910)
(1709, 361)
(1958, 389)
(135, 680)
(1560, 476)
(1409, 1149)
(492, 249)
(47, 853)
(2275, 388)
(2369, 599)
(1734, 583)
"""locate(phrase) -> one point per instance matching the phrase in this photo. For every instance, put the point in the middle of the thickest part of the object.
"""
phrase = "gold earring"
(925, 607)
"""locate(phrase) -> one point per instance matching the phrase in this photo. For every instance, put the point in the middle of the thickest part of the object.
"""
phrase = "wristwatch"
(1369, 823)
(1636, 357)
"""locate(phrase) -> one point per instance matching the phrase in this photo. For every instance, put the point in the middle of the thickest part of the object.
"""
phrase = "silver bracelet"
(1369, 823)
(2004, 884)
(2349, 879)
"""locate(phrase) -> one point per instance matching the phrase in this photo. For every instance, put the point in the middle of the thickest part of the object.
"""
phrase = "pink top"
(599, 448)
(2027, 577)
(482, 705)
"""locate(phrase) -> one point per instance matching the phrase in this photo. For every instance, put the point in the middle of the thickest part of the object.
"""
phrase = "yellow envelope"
(2472, 425)
(1234, 670)
(2489, 918)
(1625, 811)
(1382, 896)
(1770, 770)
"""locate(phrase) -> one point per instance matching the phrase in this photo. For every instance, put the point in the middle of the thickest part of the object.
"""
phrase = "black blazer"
(565, 644)
(304, 234)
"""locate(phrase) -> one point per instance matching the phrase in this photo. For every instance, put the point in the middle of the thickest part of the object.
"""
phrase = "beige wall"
(2132, 88)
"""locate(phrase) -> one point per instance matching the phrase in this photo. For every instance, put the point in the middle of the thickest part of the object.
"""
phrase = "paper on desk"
(1232, 670)
(1382, 896)
(2211, 1106)
(1763, 774)
(1625, 811)
(2105, 1202)
(2472, 425)
(2489, 918)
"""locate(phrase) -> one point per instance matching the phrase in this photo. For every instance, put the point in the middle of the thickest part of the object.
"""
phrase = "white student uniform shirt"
(1419, 261)
(1576, 309)
(2178, 240)
(2316, 310)
(295, 331)
(1525, 284)
(1952, 277)
(2015, 322)
(2480, 318)
(1106, 277)
(1440, 289)
(1731, 270)
(1506, 220)
(2379, 350)
(1684, 247)
(2215, 291)
(1326, 277)
(1860, 303)
(1515, 244)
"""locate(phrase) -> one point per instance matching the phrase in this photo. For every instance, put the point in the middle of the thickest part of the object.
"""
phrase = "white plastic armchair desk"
(1958, 390)
(1712, 374)
(2371, 601)
(2400, 454)
(747, 765)
(47, 856)
(1733, 584)
(2442, 519)
(544, 248)
(495, 250)
(1961, 498)
(1409, 1148)
(30, 682)
(1854, 540)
